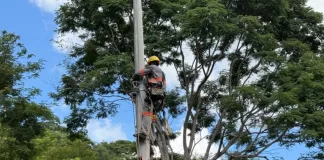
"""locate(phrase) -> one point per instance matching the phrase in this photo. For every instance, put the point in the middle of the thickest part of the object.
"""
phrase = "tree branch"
(273, 142)
(163, 145)
(193, 148)
(216, 132)
(251, 71)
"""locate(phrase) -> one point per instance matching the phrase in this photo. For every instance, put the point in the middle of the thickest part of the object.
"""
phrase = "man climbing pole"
(154, 79)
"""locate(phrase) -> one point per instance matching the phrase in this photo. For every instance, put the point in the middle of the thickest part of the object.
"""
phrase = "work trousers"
(147, 119)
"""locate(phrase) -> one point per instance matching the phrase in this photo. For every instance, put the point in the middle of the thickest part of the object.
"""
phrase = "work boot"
(141, 136)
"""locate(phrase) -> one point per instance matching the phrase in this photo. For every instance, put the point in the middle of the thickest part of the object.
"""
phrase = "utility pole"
(143, 148)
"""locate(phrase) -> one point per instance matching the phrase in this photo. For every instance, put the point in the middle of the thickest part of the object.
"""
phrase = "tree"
(6, 141)
(122, 149)
(21, 119)
(109, 65)
(118, 150)
(55, 145)
(270, 91)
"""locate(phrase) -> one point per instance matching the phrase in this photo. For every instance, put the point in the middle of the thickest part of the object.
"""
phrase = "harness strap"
(147, 114)
(155, 80)
(150, 114)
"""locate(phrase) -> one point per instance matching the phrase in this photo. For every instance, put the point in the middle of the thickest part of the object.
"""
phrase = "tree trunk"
(161, 141)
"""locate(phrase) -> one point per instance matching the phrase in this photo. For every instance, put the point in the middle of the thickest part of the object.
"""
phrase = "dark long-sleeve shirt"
(153, 72)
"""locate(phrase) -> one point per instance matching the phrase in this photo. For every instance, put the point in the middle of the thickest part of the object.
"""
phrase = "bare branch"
(251, 113)
(192, 133)
(221, 143)
(232, 141)
(255, 140)
(238, 47)
(113, 39)
(114, 96)
(216, 132)
(193, 148)
(251, 71)
(248, 156)
(209, 60)
(163, 144)
(225, 149)
(271, 143)
(186, 83)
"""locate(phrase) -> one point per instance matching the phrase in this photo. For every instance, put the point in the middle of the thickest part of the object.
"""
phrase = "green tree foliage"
(7, 142)
(122, 150)
(270, 91)
(118, 150)
(21, 119)
(103, 67)
(55, 145)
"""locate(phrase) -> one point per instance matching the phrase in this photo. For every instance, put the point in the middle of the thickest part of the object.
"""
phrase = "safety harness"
(155, 91)
(156, 87)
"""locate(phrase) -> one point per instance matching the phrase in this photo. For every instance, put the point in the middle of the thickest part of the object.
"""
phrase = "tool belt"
(156, 90)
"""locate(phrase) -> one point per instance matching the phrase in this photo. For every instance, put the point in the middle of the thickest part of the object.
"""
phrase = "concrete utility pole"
(143, 149)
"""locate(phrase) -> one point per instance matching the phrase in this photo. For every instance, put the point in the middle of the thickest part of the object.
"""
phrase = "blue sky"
(33, 20)
(36, 29)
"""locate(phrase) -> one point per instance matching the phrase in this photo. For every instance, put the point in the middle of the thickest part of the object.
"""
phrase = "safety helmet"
(153, 58)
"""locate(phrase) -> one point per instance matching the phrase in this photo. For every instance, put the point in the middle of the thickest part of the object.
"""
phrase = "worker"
(155, 83)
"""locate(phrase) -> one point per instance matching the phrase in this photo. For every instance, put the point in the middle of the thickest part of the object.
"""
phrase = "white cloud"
(49, 6)
(199, 149)
(64, 42)
(318, 5)
(98, 130)
(104, 130)
(172, 76)
(61, 107)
